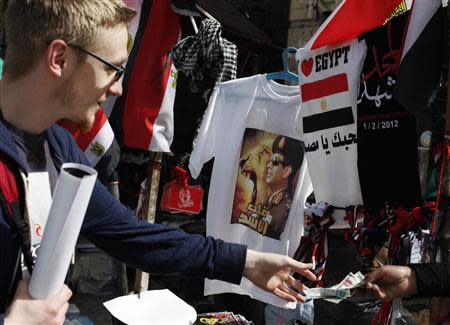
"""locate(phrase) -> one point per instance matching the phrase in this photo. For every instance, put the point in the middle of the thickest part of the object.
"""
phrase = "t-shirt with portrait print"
(260, 180)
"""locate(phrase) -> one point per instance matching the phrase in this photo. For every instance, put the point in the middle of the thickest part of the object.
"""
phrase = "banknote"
(323, 293)
(351, 281)
(336, 293)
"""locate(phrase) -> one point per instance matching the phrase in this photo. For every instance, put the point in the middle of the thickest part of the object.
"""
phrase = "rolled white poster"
(70, 200)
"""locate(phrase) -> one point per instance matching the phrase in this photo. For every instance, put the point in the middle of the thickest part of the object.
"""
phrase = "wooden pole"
(119, 267)
(149, 210)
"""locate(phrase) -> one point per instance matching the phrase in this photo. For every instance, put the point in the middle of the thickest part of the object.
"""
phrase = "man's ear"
(287, 170)
(57, 55)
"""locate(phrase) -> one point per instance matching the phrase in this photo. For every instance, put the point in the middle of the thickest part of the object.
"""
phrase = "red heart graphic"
(307, 66)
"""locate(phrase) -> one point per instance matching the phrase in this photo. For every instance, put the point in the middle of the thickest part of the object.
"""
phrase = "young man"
(63, 59)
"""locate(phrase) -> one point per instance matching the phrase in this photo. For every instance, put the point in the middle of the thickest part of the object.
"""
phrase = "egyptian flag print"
(422, 56)
(142, 117)
(96, 142)
(351, 18)
(329, 79)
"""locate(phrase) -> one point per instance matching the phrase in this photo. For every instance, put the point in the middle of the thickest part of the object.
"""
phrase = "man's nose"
(116, 88)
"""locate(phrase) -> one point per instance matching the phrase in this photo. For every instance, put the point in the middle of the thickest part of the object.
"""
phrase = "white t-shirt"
(38, 206)
(329, 80)
(245, 120)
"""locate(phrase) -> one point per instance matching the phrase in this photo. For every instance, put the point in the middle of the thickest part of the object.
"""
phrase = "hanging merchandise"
(352, 18)
(422, 56)
(407, 244)
(387, 139)
(142, 117)
(178, 196)
(97, 141)
(259, 180)
(206, 53)
(329, 80)
(313, 244)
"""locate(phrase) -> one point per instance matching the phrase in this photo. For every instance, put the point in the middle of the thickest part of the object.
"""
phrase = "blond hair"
(30, 25)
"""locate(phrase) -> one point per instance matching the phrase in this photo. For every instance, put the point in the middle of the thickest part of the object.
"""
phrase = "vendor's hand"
(391, 281)
(26, 310)
(272, 272)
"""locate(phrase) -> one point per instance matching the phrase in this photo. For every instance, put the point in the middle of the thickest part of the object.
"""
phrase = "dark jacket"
(115, 229)
(433, 280)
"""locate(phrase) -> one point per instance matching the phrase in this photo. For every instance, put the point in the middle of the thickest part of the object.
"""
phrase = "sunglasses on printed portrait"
(119, 70)
(276, 160)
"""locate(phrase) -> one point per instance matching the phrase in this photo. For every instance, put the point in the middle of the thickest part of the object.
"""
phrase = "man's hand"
(26, 310)
(390, 282)
(271, 272)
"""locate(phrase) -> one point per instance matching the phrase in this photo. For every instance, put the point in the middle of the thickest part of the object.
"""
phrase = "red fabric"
(441, 149)
(8, 184)
(180, 175)
(383, 316)
(151, 71)
(325, 87)
(353, 18)
(406, 221)
(84, 139)
(154, 165)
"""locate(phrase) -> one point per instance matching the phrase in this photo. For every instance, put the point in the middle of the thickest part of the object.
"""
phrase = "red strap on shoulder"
(8, 184)
(9, 198)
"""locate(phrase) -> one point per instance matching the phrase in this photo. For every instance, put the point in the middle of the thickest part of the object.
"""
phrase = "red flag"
(352, 18)
(148, 111)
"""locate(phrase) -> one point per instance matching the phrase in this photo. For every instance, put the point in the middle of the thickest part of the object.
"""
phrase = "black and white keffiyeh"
(206, 52)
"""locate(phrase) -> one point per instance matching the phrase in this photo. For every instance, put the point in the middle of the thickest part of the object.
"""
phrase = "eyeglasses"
(119, 70)
(276, 160)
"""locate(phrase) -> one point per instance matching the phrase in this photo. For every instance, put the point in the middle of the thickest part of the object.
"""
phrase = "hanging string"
(180, 175)
(443, 150)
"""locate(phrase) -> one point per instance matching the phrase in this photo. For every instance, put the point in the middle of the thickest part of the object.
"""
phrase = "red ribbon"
(406, 220)
(180, 176)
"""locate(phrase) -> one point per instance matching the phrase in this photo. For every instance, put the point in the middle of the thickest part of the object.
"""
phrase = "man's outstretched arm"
(273, 273)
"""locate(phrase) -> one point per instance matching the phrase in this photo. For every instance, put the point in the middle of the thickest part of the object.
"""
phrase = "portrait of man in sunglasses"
(287, 156)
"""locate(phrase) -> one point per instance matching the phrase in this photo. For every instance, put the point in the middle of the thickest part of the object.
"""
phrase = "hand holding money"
(336, 293)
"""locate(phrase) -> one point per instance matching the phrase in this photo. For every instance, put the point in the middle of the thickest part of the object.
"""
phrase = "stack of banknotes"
(336, 293)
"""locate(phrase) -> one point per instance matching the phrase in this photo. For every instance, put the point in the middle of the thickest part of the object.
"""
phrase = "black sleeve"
(432, 279)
